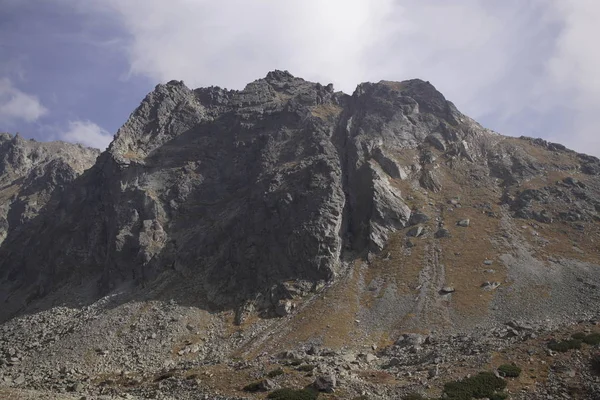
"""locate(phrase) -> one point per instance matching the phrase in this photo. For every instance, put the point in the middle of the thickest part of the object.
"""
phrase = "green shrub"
(595, 363)
(413, 396)
(509, 370)
(482, 385)
(592, 339)
(252, 387)
(164, 376)
(565, 345)
(306, 368)
(499, 396)
(275, 372)
(295, 363)
(293, 394)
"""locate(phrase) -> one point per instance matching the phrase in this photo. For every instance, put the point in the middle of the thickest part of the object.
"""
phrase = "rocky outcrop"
(232, 195)
(31, 173)
(350, 218)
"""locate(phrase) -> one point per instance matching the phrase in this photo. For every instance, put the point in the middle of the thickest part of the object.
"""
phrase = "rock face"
(248, 199)
(239, 190)
(31, 173)
(349, 218)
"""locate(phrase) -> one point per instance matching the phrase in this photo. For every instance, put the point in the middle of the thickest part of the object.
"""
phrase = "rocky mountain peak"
(242, 223)
(279, 76)
(246, 190)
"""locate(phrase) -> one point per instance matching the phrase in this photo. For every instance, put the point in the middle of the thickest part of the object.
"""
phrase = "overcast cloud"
(87, 133)
(519, 67)
(17, 106)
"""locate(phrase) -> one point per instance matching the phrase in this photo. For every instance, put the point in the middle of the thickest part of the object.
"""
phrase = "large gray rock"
(325, 383)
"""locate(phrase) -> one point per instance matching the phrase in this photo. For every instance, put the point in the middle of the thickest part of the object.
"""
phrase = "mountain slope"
(356, 218)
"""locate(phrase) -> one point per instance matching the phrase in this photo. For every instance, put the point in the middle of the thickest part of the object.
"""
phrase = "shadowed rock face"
(239, 197)
(31, 172)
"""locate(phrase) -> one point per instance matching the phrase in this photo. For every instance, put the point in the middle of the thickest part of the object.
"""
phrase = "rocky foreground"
(231, 244)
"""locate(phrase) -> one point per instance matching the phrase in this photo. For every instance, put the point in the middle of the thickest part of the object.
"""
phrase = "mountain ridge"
(286, 215)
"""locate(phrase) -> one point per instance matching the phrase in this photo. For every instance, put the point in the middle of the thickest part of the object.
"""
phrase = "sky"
(75, 69)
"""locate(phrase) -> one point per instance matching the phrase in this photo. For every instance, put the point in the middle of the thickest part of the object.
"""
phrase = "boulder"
(415, 231)
(411, 339)
(442, 233)
(325, 383)
(284, 307)
(417, 218)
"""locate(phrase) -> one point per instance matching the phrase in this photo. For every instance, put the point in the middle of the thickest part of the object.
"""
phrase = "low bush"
(306, 368)
(164, 376)
(413, 396)
(592, 339)
(499, 396)
(595, 363)
(252, 387)
(509, 370)
(564, 345)
(275, 372)
(293, 394)
(482, 385)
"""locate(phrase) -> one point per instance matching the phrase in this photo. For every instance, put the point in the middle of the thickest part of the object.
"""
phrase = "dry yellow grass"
(325, 111)
(8, 192)
(395, 85)
(131, 155)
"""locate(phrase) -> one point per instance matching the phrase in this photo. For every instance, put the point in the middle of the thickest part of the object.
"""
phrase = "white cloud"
(88, 134)
(233, 42)
(574, 69)
(517, 65)
(16, 105)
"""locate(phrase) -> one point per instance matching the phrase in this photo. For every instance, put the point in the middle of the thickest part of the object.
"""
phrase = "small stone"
(325, 383)
(433, 372)
(283, 308)
(195, 348)
(488, 262)
(19, 380)
(418, 218)
(447, 290)
(77, 387)
(489, 286)
(266, 384)
(370, 358)
(394, 362)
(442, 233)
(415, 231)
(464, 223)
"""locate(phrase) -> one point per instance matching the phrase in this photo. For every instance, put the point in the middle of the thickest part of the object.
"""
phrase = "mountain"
(222, 225)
